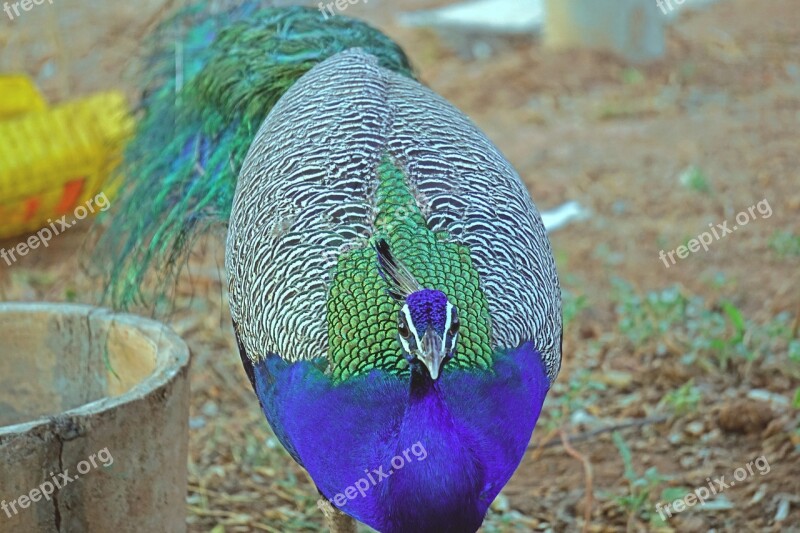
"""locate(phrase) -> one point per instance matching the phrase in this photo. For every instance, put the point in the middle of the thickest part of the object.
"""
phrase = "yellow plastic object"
(19, 95)
(53, 161)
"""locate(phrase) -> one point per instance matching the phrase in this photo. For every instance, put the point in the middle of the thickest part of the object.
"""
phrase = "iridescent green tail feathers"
(210, 81)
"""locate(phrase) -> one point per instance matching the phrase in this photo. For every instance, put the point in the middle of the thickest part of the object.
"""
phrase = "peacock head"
(427, 327)
(427, 324)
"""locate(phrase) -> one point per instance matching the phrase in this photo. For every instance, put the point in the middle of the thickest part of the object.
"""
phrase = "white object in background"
(633, 29)
(481, 28)
(672, 9)
(500, 16)
(563, 215)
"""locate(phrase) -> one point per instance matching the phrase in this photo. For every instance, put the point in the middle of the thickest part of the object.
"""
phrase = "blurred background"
(655, 122)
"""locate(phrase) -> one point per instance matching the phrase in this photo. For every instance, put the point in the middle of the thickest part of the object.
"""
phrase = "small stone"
(710, 436)
(210, 409)
(719, 503)
(500, 504)
(695, 428)
(197, 422)
(759, 495)
(783, 511)
(581, 417)
(766, 396)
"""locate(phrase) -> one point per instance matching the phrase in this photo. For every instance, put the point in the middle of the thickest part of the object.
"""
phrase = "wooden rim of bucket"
(171, 353)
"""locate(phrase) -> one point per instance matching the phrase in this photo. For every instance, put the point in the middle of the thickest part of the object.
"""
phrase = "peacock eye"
(402, 328)
(454, 326)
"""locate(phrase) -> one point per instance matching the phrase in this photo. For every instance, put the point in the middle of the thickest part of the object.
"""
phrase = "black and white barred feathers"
(306, 193)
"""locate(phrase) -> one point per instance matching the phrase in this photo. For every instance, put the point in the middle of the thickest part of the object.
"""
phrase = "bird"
(393, 292)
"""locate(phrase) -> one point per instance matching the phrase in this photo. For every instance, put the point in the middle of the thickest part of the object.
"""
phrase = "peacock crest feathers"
(362, 306)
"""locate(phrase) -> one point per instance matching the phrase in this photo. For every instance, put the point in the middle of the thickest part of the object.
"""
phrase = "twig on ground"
(587, 470)
(548, 441)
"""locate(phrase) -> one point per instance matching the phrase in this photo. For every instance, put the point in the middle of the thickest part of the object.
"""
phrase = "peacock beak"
(432, 352)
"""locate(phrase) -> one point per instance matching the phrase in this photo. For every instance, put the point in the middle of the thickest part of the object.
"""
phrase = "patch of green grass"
(785, 244)
(668, 495)
(718, 280)
(572, 305)
(70, 295)
(632, 76)
(640, 487)
(671, 316)
(682, 400)
(727, 345)
(711, 336)
(580, 391)
(694, 178)
(794, 350)
(608, 256)
(775, 340)
(627, 109)
(648, 317)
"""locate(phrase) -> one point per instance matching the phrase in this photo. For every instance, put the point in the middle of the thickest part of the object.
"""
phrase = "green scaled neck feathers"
(362, 315)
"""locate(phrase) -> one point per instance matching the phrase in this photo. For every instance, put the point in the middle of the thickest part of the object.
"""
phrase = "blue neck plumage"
(453, 477)
(474, 426)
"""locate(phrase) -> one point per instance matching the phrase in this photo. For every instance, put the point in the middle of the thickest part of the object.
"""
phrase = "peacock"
(393, 292)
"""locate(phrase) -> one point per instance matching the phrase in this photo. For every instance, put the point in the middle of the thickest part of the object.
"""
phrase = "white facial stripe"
(407, 313)
(447, 326)
(406, 347)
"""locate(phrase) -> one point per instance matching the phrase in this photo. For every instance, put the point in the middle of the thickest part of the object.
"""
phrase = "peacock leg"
(337, 521)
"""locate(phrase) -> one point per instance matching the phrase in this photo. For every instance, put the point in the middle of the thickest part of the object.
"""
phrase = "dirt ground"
(672, 377)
